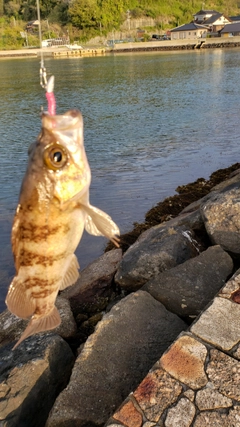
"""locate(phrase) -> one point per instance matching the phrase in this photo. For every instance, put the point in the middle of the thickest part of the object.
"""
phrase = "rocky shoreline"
(125, 311)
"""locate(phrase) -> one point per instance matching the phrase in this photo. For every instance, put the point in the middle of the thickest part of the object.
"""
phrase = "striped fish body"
(52, 213)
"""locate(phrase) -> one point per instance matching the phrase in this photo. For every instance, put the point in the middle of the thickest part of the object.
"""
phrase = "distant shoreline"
(152, 46)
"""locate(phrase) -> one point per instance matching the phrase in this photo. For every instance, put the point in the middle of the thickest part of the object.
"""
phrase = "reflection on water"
(152, 121)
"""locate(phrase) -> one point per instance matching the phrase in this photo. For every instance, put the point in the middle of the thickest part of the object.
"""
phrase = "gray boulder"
(190, 218)
(31, 377)
(235, 177)
(11, 327)
(188, 288)
(93, 288)
(216, 189)
(195, 206)
(221, 215)
(114, 360)
(67, 328)
(157, 249)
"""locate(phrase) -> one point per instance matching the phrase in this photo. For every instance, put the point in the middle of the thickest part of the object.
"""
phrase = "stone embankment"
(154, 46)
(148, 338)
(172, 45)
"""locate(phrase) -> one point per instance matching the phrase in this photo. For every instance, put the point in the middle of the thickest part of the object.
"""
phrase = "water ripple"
(152, 121)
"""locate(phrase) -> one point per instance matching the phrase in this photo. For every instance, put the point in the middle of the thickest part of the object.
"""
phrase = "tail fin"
(40, 324)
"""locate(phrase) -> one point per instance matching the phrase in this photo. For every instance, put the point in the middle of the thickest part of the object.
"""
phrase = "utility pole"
(48, 29)
(128, 19)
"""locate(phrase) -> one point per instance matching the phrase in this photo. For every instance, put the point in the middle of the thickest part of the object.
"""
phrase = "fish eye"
(55, 156)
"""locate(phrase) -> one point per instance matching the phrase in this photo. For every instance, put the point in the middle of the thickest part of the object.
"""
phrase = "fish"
(52, 212)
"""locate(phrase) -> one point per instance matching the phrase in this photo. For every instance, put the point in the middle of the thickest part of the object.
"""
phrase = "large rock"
(93, 288)
(221, 215)
(67, 328)
(11, 327)
(157, 249)
(195, 206)
(114, 360)
(190, 218)
(188, 288)
(31, 377)
(235, 177)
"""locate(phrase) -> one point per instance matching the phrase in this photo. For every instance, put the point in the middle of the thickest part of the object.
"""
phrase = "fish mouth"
(67, 129)
(72, 119)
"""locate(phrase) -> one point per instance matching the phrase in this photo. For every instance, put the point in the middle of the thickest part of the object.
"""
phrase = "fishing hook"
(43, 76)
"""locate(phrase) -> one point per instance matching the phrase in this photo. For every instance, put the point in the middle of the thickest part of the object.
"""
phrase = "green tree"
(12, 8)
(1, 8)
(84, 14)
(88, 17)
(28, 10)
(113, 13)
(59, 13)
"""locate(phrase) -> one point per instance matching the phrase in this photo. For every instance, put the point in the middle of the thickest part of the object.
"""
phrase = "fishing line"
(48, 85)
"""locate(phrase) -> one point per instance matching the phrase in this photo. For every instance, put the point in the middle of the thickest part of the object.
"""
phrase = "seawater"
(153, 121)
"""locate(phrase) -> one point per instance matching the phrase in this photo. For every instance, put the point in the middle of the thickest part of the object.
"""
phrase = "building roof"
(231, 28)
(189, 27)
(205, 12)
(213, 18)
(36, 22)
(234, 18)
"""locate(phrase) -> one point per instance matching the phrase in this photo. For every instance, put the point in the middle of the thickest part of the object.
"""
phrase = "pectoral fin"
(71, 274)
(19, 300)
(40, 324)
(99, 223)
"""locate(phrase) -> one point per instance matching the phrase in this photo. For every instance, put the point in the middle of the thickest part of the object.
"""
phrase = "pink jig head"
(50, 96)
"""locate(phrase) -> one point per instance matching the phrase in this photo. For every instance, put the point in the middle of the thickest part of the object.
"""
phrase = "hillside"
(84, 19)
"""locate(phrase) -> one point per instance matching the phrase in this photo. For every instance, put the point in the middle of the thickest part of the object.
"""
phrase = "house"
(140, 33)
(32, 25)
(201, 16)
(189, 31)
(231, 30)
(216, 22)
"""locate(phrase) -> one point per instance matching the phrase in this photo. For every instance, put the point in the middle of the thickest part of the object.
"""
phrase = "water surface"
(153, 121)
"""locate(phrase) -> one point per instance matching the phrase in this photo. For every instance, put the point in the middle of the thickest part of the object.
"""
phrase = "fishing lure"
(48, 85)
